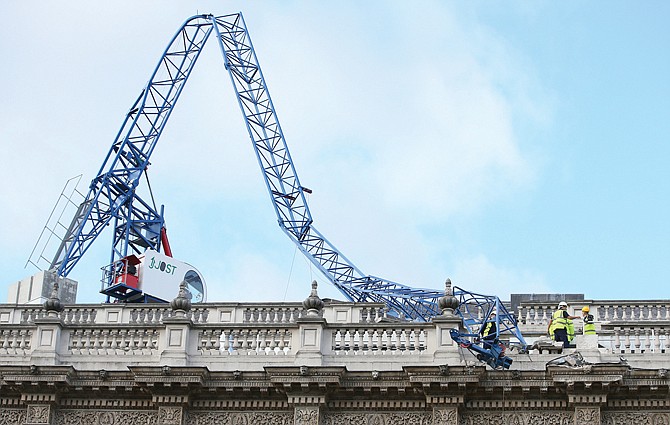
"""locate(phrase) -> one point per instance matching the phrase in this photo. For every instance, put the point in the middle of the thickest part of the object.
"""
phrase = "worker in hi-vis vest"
(560, 326)
(589, 321)
(488, 331)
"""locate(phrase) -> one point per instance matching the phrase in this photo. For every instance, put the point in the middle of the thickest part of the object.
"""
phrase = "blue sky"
(510, 146)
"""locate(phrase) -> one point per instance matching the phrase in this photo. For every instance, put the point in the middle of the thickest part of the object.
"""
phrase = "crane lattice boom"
(138, 224)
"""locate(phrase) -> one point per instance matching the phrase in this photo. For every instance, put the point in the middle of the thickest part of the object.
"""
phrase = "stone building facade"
(338, 363)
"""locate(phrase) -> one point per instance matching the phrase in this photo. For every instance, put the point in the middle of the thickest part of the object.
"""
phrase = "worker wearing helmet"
(589, 321)
(488, 331)
(560, 326)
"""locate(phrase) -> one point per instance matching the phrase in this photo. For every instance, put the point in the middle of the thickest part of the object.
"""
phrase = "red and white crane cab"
(153, 277)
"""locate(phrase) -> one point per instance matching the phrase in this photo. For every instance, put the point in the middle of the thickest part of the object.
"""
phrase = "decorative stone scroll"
(393, 418)
(38, 414)
(518, 418)
(637, 417)
(117, 417)
(12, 416)
(169, 415)
(445, 416)
(237, 418)
(307, 415)
(590, 415)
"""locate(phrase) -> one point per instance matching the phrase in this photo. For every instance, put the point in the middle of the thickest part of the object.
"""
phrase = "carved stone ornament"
(587, 415)
(116, 417)
(405, 418)
(38, 414)
(447, 416)
(306, 416)
(238, 418)
(517, 418)
(637, 417)
(169, 415)
(12, 416)
(448, 303)
(53, 304)
(182, 303)
(313, 304)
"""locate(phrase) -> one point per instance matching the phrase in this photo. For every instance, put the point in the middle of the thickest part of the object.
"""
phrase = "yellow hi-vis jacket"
(589, 326)
(560, 322)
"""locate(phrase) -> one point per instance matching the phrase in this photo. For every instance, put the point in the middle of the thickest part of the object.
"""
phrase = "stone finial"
(313, 304)
(182, 303)
(448, 303)
(53, 306)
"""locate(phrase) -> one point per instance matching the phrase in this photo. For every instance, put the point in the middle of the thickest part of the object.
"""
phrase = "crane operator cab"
(151, 277)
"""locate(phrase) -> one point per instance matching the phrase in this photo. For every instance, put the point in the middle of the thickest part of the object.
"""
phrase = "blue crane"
(139, 225)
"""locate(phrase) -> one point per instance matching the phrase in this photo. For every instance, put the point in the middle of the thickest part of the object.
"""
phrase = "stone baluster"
(366, 341)
(4, 335)
(346, 340)
(645, 340)
(617, 341)
(356, 341)
(402, 340)
(662, 340)
(281, 345)
(375, 341)
(628, 348)
(653, 341)
(412, 340)
(636, 342)
(337, 340)
(225, 343)
(385, 340)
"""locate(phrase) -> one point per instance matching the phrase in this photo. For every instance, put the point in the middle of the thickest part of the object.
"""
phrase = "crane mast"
(112, 195)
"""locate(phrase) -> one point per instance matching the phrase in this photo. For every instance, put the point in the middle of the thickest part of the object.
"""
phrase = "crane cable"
(309, 265)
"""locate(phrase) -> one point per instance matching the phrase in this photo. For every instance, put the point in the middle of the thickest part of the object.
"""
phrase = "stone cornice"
(418, 387)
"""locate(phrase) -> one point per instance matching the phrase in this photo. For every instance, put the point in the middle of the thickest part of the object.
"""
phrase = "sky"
(512, 147)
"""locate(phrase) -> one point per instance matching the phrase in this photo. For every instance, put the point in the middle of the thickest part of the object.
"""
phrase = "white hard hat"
(562, 304)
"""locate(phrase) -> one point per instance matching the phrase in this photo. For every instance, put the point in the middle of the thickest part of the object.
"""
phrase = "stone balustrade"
(380, 341)
(602, 311)
(246, 336)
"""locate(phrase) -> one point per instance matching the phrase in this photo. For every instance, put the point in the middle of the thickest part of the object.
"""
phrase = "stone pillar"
(46, 341)
(176, 343)
(446, 350)
(310, 338)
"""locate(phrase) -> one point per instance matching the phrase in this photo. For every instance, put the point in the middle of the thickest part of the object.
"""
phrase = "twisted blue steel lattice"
(112, 193)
